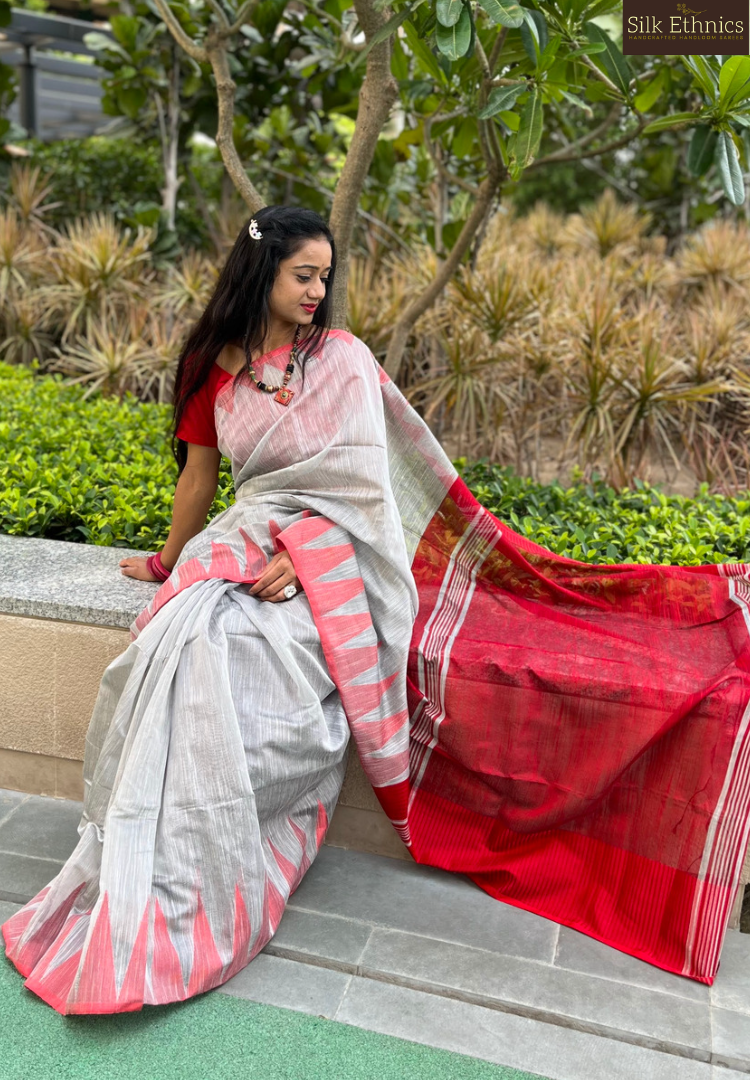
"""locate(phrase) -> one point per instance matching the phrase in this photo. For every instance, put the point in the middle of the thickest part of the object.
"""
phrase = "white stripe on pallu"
(440, 632)
(728, 831)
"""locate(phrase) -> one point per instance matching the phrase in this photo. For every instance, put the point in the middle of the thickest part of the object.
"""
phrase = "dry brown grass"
(578, 336)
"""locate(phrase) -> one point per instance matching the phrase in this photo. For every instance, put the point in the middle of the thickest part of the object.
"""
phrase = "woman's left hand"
(278, 573)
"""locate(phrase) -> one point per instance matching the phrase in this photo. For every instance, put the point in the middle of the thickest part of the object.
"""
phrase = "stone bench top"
(54, 579)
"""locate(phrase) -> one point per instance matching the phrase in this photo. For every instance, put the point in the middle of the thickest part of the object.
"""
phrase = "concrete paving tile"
(302, 987)
(22, 877)
(731, 1039)
(9, 801)
(731, 988)
(326, 936)
(422, 900)
(7, 909)
(660, 1021)
(42, 827)
(505, 1039)
(577, 952)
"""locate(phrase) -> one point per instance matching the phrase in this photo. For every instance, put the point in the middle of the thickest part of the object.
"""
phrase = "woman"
(573, 738)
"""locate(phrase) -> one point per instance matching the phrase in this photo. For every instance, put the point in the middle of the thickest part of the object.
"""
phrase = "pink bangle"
(156, 569)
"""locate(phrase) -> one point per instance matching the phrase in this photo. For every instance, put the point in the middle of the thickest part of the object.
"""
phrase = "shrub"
(597, 524)
(101, 471)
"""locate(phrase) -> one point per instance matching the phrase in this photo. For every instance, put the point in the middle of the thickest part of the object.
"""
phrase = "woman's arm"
(193, 496)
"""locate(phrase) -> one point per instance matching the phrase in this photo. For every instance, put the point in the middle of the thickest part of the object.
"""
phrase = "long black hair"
(238, 309)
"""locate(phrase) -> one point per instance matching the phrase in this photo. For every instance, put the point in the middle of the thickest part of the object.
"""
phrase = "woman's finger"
(276, 595)
(277, 585)
(275, 570)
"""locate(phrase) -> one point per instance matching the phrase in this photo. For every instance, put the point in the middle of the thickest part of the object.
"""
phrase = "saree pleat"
(574, 738)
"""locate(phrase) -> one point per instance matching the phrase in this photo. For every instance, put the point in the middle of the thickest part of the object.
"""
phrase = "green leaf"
(700, 153)
(703, 74)
(510, 119)
(125, 30)
(98, 42)
(449, 11)
(652, 92)
(423, 53)
(578, 102)
(465, 138)
(529, 130)
(613, 62)
(453, 41)
(670, 121)
(505, 12)
(534, 34)
(501, 97)
(728, 166)
(588, 50)
(734, 80)
(550, 52)
(131, 100)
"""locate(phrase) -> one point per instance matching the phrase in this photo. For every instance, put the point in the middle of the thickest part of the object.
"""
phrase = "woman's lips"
(309, 307)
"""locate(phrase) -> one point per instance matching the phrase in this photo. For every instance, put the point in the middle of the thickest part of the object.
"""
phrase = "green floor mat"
(212, 1037)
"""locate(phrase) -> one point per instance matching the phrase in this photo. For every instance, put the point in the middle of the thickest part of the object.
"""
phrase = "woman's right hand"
(136, 567)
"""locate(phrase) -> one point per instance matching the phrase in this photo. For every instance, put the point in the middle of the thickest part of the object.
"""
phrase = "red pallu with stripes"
(579, 735)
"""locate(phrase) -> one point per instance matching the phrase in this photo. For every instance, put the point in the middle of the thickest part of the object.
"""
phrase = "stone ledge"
(54, 579)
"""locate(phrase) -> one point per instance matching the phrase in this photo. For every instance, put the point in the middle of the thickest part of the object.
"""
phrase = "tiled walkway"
(421, 954)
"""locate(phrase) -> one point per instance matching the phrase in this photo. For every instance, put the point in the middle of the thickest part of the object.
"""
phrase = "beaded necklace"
(283, 394)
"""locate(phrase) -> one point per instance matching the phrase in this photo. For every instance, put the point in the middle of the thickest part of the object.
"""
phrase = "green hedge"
(101, 471)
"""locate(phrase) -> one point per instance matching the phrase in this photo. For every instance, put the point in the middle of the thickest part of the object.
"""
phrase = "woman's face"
(300, 284)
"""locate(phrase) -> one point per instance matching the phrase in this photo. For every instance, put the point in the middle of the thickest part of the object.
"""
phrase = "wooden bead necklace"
(283, 394)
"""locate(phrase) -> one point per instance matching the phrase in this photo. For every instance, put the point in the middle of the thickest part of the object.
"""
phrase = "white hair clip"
(254, 231)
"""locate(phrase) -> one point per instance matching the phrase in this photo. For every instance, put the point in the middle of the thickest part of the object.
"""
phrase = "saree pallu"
(573, 738)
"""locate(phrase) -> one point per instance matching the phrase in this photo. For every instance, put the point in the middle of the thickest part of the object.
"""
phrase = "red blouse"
(197, 424)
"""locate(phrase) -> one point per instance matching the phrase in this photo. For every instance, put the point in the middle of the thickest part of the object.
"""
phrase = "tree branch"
(584, 140)
(429, 295)
(497, 48)
(225, 88)
(596, 152)
(192, 48)
(377, 96)
(242, 16)
(438, 163)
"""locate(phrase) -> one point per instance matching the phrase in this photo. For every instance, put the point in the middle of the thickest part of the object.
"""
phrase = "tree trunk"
(171, 180)
(225, 88)
(379, 92)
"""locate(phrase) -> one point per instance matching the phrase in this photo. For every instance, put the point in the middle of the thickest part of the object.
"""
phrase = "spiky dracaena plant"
(99, 269)
(105, 358)
(21, 256)
(188, 285)
(162, 341)
(718, 253)
(463, 389)
(608, 225)
(29, 191)
(655, 394)
(24, 338)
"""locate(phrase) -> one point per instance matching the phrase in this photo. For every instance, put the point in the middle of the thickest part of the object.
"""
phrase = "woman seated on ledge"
(574, 738)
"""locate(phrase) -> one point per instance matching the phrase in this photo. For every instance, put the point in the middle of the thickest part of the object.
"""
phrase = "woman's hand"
(278, 573)
(136, 567)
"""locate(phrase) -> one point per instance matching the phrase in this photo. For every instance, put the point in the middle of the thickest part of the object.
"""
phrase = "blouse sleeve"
(197, 424)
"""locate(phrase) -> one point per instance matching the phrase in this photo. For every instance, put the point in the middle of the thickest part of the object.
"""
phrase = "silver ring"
(289, 591)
